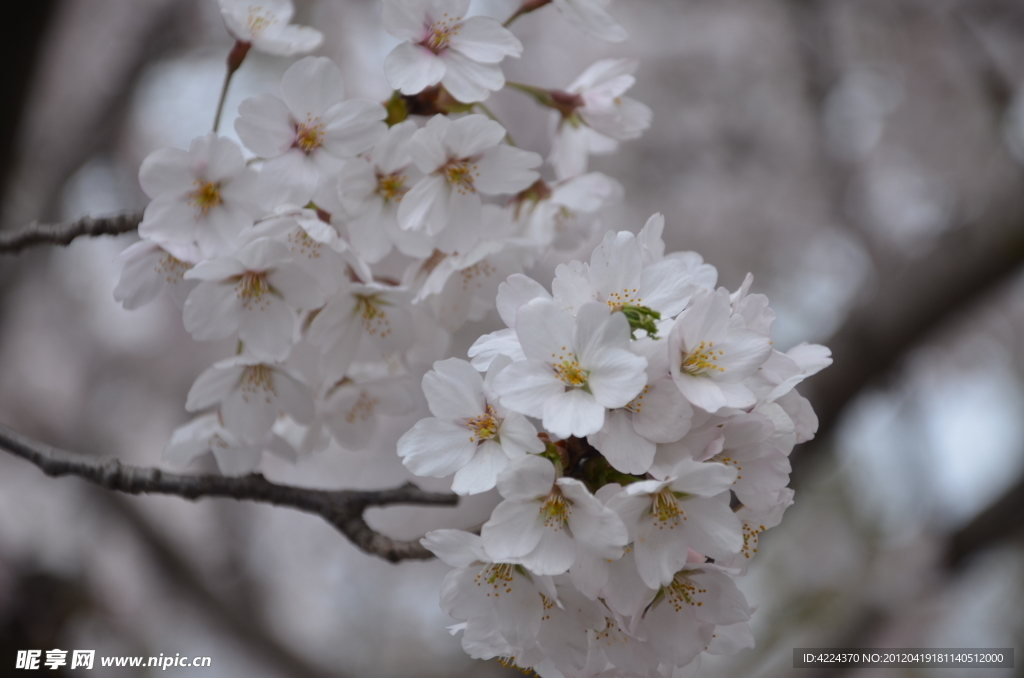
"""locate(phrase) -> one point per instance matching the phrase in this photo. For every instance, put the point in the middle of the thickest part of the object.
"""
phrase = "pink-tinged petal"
(490, 346)
(143, 275)
(265, 126)
(289, 40)
(554, 553)
(504, 169)
(212, 386)
(454, 390)
(461, 598)
(666, 287)
(405, 19)
(464, 216)
(705, 479)
(514, 530)
(518, 436)
(468, 80)
(454, 547)
(299, 289)
(262, 254)
(702, 391)
(526, 386)
(436, 448)
(369, 236)
(412, 68)
(352, 127)
(589, 574)
(573, 413)
(714, 530)
(516, 291)
(661, 548)
(472, 135)
(426, 147)
(391, 153)
(525, 479)
(663, 415)
(287, 179)
(742, 352)
(571, 286)
(597, 528)
(598, 331)
(675, 634)
(545, 331)
(294, 397)
(310, 86)
(616, 376)
(191, 440)
(485, 39)
(591, 17)
(425, 206)
(224, 159)
(215, 270)
(621, 445)
(570, 150)
(267, 328)
(166, 171)
(249, 415)
(615, 268)
(737, 396)
(481, 473)
(217, 230)
(169, 219)
(211, 311)
(518, 612)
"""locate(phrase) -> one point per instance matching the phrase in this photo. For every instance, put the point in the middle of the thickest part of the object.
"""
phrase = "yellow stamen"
(206, 196)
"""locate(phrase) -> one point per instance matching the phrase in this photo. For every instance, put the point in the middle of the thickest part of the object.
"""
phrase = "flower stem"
(235, 58)
(527, 7)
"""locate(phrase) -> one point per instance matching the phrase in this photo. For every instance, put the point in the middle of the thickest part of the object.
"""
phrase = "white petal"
(573, 413)
(467, 80)
(265, 126)
(527, 385)
(484, 39)
(310, 86)
(454, 390)
(527, 478)
(455, 547)
(412, 68)
(436, 448)
(621, 445)
(481, 473)
(518, 436)
(514, 530)
(504, 169)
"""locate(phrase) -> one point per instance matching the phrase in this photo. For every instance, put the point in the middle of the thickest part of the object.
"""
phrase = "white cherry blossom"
(234, 456)
(471, 434)
(602, 118)
(202, 197)
(254, 293)
(462, 160)
(354, 408)
(575, 368)
(148, 269)
(711, 354)
(592, 16)
(251, 394)
(544, 521)
(265, 24)
(442, 47)
(305, 135)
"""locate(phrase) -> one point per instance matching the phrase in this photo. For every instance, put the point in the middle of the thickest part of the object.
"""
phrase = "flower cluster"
(665, 423)
(634, 418)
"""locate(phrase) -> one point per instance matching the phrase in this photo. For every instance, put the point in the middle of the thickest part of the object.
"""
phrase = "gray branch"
(61, 234)
(341, 508)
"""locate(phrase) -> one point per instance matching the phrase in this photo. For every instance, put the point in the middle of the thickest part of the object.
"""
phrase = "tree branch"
(341, 508)
(62, 234)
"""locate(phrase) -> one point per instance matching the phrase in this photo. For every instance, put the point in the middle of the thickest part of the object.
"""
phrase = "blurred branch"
(999, 522)
(62, 234)
(341, 508)
(180, 572)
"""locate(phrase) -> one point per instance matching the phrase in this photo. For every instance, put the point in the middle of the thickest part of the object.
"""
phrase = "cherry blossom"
(234, 456)
(254, 293)
(592, 16)
(265, 25)
(442, 47)
(201, 197)
(471, 434)
(251, 395)
(149, 269)
(462, 160)
(305, 135)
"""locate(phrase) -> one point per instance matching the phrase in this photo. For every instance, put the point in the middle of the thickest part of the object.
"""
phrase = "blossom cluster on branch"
(634, 417)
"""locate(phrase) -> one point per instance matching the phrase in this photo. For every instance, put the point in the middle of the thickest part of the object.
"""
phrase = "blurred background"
(862, 159)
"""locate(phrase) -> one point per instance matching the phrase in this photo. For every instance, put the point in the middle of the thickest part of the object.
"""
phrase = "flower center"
(308, 136)
(555, 510)
(665, 508)
(440, 33)
(363, 408)
(498, 576)
(702, 359)
(172, 268)
(375, 317)
(206, 196)
(258, 20)
(391, 186)
(251, 288)
(637, 403)
(257, 380)
(461, 174)
(485, 426)
(570, 372)
(682, 592)
(616, 300)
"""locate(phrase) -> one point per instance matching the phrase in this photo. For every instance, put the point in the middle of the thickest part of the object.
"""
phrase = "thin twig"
(62, 234)
(341, 508)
